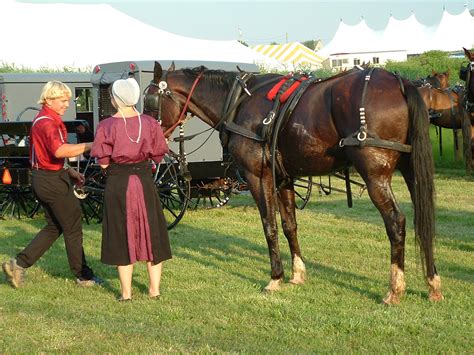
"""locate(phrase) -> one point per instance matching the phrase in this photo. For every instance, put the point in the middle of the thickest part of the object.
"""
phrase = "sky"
(278, 21)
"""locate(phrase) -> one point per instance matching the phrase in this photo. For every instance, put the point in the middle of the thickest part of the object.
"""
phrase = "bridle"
(155, 100)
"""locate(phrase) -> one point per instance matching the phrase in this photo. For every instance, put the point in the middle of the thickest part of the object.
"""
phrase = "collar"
(46, 111)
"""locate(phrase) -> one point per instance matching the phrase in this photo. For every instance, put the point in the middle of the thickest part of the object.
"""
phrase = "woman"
(133, 227)
(52, 187)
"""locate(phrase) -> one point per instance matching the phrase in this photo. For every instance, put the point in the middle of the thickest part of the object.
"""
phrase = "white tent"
(454, 32)
(83, 35)
(395, 37)
(350, 39)
(451, 34)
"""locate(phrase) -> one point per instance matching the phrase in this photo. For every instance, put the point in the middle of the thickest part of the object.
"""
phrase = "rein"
(182, 117)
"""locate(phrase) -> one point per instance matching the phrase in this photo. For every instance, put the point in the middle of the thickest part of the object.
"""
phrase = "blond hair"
(53, 90)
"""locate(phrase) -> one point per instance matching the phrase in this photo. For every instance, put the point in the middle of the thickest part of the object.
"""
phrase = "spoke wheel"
(91, 195)
(17, 201)
(303, 188)
(174, 190)
(213, 193)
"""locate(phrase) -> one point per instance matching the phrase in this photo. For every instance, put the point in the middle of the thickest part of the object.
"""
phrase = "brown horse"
(447, 110)
(364, 118)
(439, 80)
(435, 80)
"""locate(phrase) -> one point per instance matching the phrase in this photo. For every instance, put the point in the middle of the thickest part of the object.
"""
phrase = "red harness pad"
(274, 90)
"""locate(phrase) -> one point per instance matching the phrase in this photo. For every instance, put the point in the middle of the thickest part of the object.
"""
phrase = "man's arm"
(72, 150)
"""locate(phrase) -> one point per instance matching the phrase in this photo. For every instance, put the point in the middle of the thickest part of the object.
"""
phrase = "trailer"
(19, 93)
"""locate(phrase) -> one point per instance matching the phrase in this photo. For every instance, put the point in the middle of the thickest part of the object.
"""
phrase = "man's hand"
(77, 177)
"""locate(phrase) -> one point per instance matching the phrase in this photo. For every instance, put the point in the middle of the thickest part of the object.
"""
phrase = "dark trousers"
(63, 214)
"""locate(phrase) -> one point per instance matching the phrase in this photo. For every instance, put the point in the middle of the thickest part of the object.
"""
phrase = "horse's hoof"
(391, 299)
(435, 297)
(273, 285)
(297, 280)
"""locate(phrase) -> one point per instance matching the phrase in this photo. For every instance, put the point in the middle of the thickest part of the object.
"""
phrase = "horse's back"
(330, 111)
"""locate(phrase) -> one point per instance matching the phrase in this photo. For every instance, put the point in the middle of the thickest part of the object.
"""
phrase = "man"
(52, 187)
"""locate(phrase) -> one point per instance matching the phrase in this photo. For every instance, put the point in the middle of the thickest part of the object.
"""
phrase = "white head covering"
(126, 92)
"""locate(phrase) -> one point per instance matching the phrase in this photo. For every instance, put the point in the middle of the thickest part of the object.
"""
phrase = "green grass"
(447, 157)
(211, 289)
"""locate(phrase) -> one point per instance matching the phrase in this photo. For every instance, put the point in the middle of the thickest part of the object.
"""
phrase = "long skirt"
(133, 226)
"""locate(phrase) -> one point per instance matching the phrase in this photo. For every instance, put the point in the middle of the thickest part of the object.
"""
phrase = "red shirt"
(47, 134)
(112, 140)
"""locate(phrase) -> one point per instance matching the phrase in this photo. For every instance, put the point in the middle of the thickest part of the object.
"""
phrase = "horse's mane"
(218, 78)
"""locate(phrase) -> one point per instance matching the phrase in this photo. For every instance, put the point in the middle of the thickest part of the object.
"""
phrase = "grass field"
(211, 289)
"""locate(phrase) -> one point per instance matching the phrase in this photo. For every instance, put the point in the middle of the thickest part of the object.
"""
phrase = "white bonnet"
(126, 92)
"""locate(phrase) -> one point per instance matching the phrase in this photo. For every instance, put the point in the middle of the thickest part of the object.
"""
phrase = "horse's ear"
(468, 54)
(172, 66)
(433, 72)
(158, 71)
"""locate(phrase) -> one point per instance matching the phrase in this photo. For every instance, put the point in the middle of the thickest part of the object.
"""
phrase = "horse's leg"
(261, 188)
(434, 281)
(378, 181)
(286, 201)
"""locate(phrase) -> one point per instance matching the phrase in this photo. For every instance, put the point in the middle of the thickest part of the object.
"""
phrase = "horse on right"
(446, 108)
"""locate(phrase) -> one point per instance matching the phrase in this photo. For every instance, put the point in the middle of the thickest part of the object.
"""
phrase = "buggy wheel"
(212, 193)
(17, 201)
(91, 195)
(174, 190)
(303, 188)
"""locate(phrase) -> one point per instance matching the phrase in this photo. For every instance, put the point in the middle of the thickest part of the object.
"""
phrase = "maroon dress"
(133, 226)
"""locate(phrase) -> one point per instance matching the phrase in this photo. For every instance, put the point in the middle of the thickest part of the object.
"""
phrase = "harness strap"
(230, 109)
(374, 142)
(235, 128)
(282, 119)
(361, 137)
(453, 119)
(230, 126)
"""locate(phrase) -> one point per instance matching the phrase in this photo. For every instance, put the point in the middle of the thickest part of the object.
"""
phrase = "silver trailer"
(19, 93)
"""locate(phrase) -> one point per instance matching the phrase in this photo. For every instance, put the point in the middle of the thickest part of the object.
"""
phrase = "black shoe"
(94, 281)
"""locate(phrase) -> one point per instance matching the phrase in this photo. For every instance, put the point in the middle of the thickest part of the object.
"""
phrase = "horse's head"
(438, 80)
(160, 101)
(168, 97)
(172, 94)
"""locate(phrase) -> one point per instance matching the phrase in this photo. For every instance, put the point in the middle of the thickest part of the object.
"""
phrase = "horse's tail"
(467, 140)
(422, 165)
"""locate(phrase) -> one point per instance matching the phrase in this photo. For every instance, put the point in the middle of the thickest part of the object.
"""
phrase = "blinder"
(152, 102)
(463, 72)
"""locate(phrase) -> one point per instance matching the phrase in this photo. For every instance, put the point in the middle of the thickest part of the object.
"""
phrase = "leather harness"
(277, 118)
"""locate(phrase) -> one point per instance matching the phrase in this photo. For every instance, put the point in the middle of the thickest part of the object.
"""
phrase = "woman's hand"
(77, 177)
